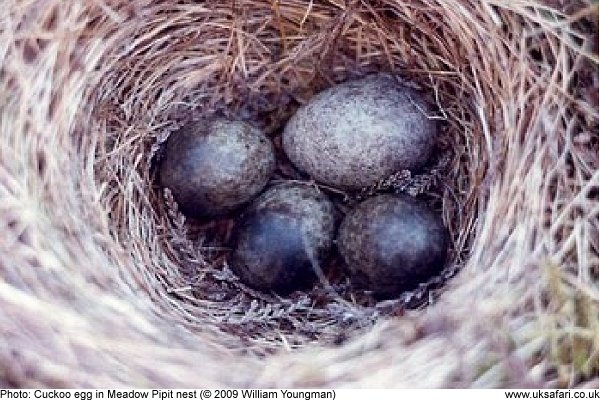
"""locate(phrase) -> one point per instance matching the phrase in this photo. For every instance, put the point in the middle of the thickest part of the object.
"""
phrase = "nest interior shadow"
(123, 280)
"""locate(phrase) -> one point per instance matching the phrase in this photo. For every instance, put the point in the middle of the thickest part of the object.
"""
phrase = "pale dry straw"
(101, 286)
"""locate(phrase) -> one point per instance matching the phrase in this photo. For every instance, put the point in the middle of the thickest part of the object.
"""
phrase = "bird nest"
(103, 282)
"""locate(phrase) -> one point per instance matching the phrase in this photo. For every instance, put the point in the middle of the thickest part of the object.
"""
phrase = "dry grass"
(100, 284)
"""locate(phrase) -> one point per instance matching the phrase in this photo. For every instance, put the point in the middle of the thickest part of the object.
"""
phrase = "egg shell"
(282, 235)
(355, 134)
(391, 243)
(213, 166)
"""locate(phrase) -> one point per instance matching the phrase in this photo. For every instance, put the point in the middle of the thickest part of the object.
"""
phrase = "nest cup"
(102, 285)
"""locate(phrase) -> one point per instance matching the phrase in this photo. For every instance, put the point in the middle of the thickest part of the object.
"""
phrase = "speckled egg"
(357, 133)
(214, 166)
(282, 236)
(391, 243)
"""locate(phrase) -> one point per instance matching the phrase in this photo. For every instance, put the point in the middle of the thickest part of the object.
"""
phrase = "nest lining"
(102, 284)
(320, 315)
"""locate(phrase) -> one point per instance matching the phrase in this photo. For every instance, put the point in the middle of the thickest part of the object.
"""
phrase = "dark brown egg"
(360, 132)
(282, 236)
(214, 166)
(391, 243)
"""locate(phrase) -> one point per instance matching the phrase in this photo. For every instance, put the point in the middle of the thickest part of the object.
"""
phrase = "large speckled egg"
(282, 236)
(214, 166)
(391, 243)
(357, 133)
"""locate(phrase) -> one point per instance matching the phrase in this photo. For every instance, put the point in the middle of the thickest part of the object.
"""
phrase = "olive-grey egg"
(357, 133)
(214, 166)
(391, 243)
(282, 236)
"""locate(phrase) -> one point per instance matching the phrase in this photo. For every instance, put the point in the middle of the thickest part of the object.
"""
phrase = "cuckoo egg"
(357, 133)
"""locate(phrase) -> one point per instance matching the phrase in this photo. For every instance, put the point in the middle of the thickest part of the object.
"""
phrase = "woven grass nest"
(104, 283)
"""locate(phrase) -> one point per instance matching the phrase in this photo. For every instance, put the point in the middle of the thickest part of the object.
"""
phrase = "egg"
(213, 166)
(282, 236)
(391, 243)
(357, 133)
